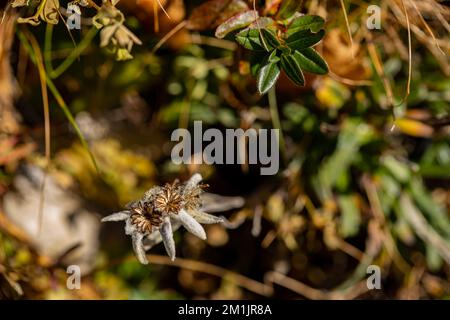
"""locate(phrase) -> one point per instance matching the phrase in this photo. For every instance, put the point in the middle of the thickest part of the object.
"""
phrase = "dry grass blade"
(242, 281)
(349, 82)
(259, 27)
(43, 81)
(316, 294)
(213, 42)
(60, 101)
(349, 31)
(424, 38)
(427, 26)
(170, 34)
(377, 211)
(164, 10)
(380, 70)
(408, 26)
(155, 17)
(5, 12)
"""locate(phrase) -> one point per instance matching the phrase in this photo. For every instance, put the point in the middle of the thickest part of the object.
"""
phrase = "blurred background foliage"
(365, 167)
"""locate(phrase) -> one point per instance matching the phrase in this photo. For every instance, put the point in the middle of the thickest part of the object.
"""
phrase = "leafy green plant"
(279, 45)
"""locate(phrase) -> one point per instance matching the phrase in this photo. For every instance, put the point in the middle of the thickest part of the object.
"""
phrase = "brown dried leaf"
(213, 13)
(50, 13)
(236, 22)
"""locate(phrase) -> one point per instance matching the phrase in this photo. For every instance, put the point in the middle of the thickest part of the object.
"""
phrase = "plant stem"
(55, 73)
(275, 118)
(62, 104)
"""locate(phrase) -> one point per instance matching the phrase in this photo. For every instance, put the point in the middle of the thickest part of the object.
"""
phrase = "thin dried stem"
(380, 70)
(408, 26)
(170, 34)
(427, 26)
(164, 10)
(43, 81)
(312, 293)
(242, 281)
(349, 31)
(350, 82)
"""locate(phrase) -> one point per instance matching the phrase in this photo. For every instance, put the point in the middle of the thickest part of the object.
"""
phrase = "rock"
(69, 232)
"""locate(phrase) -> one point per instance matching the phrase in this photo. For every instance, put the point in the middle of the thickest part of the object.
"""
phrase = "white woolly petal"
(129, 227)
(190, 224)
(194, 181)
(138, 247)
(118, 216)
(215, 203)
(204, 218)
(167, 237)
(155, 238)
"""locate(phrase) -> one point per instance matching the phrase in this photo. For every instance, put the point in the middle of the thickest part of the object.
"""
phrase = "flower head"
(161, 211)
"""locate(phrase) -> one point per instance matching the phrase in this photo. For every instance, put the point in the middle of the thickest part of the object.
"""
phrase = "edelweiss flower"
(161, 211)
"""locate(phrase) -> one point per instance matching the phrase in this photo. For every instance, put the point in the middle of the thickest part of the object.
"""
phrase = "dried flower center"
(168, 199)
(192, 197)
(144, 218)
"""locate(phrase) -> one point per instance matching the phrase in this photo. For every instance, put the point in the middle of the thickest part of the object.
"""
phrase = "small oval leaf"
(310, 61)
(267, 76)
(270, 39)
(250, 39)
(313, 23)
(292, 69)
(304, 39)
(273, 57)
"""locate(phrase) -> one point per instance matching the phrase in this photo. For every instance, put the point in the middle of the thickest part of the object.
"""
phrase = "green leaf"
(310, 61)
(304, 39)
(250, 39)
(313, 23)
(270, 39)
(399, 170)
(267, 76)
(434, 260)
(423, 229)
(236, 22)
(292, 69)
(273, 57)
(350, 218)
(434, 211)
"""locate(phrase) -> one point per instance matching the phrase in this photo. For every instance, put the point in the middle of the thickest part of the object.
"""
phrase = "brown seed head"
(144, 217)
(169, 198)
(192, 196)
